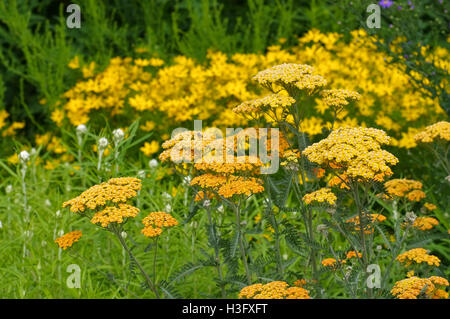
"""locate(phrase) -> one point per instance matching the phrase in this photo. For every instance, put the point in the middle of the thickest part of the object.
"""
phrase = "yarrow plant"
(107, 206)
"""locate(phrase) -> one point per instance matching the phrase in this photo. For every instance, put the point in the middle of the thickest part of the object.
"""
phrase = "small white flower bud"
(118, 136)
(285, 256)
(81, 129)
(58, 213)
(323, 229)
(48, 203)
(24, 156)
(168, 208)
(1, 225)
(410, 217)
(153, 163)
(123, 234)
(102, 144)
(141, 174)
(220, 209)
(166, 196)
(8, 189)
(61, 232)
(207, 203)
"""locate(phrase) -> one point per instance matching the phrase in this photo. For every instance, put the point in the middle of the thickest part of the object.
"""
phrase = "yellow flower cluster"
(356, 150)
(114, 214)
(415, 287)
(430, 206)
(155, 222)
(437, 131)
(418, 256)
(339, 98)
(425, 223)
(410, 189)
(258, 105)
(322, 195)
(186, 90)
(273, 290)
(228, 186)
(116, 190)
(67, 240)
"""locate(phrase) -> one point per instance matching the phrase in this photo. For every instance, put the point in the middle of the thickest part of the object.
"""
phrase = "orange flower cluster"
(67, 240)
(415, 287)
(425, 223)
(418, 256)
(437, 131)
(227, 186)
(273, 290)
(116, 190)
(331, 262)
(240, 164)
(355, 150)
(368, 219)
(113, 214)
(155, 222)
(410, 189)
(322, 195)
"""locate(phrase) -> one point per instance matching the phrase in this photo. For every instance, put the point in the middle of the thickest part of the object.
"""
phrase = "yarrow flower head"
(356, 151)
(339, 98)
(418, 256)
(273, 290)
(435, 132)
(415, 288)
(114, 215)
(116, 190)
(425, 223)
(155, 222)
(322, 195)
(68, 239)
(410, 189)
(287, 73)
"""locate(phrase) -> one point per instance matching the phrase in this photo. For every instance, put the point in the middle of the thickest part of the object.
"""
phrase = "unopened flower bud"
(410, 217)
(118, 135)
(153, 163)
(102, 144)
(24, 156)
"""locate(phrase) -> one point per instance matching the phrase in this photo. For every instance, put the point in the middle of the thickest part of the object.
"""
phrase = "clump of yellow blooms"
(116, 190)
(368, 219)
(339, 98)
(355, 150)
(425, 223)
(418, 256)
(331, 262)
(155, 222)
(114, 214)
(185, 89)
(410, 189)
(273, 290)
(67, 240)
(415, 287)
(322, 195)
(430, 206)
(437, 131)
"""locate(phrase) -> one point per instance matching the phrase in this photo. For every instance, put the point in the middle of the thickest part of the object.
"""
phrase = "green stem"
(149, 282)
